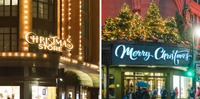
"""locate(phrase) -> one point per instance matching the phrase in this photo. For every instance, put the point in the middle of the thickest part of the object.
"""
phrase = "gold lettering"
(64, 44)
(58, 42)
(70, 45)
(42, 40)
(40, 46)
(27, 37)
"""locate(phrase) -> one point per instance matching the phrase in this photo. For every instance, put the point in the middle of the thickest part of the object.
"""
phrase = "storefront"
(158, 64)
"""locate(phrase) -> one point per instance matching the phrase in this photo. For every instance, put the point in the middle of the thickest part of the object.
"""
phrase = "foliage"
(153, 22)
(138, 29)
(187, 8)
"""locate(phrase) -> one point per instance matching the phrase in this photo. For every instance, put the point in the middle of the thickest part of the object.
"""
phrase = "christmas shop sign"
(52, 43)
(150, 55)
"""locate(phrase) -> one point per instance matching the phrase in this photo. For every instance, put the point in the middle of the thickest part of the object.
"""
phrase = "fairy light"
(45, 55)
(80, 33)
(26, 21)
(69, 24)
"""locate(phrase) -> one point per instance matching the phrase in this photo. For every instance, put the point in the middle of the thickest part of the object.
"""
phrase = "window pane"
(45, 33)
(6, 37)
(1, 37)
(14, 43)
(6, 43)
(14, 2)
(35, 31)
(1, 8)
(46, 1)
(1, 30)
(6, 30)
(41, 0)
(7, 2)
(1, 2)
(14, 30)
(14, 8)
(7, 13)
(51, 1)
(7, 8)
(14, 36)
(34, 9)
(45, 6)
(1, 43)
(40, 32)
(1, 13)
(35, 15)
(14, 13)
(1, 49)
(14, 49)
(34, 4)
(6, 49)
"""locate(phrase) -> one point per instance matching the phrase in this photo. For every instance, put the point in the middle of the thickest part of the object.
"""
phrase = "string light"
(26, 21)
(69, 24)
(80, 33)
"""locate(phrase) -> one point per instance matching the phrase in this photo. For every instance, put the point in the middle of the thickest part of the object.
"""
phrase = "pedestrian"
(163, 93)
(145, 94)
(176, 91)
(130, 94)
(172, 94)
(139, 93)
(127, 94)
(198, 92)
(69, 96)
(153, 93)
(133, 95)
(192, 93)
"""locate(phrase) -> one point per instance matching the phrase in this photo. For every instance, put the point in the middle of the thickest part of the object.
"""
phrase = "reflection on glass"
(14, 2)
(40, 92)
(128, 73)
(10, 91)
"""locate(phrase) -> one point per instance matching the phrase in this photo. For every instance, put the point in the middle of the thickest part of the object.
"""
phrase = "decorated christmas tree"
(124, 23)
(109, 29)
(153, 22)
(180, 25)
(138, 28)
(171, 30)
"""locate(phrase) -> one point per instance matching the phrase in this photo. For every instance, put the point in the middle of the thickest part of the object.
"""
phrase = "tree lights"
(80, 15)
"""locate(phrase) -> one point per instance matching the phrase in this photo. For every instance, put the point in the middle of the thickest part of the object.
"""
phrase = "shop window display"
(12, 92)
(40, 92)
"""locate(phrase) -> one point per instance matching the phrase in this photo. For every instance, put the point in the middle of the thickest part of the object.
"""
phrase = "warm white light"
(26, 22)
(80, 57)
(25, 17)
(9, 54)
(26, 27)
(16, 54)
(197, 31)
(122, 65)
(22, 54)
(26, 11)
(34, 55)
(26, 6)
(45, 55)
(28, 54)
(25, 1)
(3, 54)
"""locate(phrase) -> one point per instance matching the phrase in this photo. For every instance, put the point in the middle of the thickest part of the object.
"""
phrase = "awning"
(95, 79)
(76, 77)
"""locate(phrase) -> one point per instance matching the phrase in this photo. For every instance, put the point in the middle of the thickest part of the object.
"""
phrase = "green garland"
(185, 14)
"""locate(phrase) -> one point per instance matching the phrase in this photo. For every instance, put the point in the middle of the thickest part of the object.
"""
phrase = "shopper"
(192, 93)
(198, 92)
(127, 94)
(133, 95)
(176, 91)
(153, 93)
(69, 96)
(139, 93)
(145, 94)
(163, 93)
(172, 94)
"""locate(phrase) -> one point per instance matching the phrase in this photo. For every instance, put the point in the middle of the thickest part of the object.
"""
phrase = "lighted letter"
(27, 37)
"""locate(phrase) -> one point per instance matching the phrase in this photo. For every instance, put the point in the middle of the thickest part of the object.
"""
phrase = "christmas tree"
(153, 22)
(109, 29)
(124, 23)
(171, 30)
(138, 27)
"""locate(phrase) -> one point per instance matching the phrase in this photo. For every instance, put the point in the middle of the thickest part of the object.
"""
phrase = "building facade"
(42, 42)
(127, 62)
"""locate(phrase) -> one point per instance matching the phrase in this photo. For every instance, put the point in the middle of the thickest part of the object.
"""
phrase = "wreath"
(185, 14)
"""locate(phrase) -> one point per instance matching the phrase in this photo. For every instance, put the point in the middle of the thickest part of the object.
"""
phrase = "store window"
(12, 92)
(8, 39)
(41, 92)
(8, 8)
(183, 84)
(43, 9)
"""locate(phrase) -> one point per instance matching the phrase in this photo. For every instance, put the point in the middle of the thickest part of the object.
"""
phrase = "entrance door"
(71, 93)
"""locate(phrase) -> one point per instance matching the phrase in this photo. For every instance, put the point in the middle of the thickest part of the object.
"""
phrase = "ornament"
(126, 38)
(155, 38)
(115, 39)
(187, 42)
(122, 38)
(141, 37)
(148, 37)
(166, 40)
(182, 42)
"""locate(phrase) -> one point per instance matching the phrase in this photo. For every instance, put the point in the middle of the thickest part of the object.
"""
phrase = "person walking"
(130, 94)
(153, 93)
(127, 94)
(192, 93)
(133, 95)
(163, 93)
(176, 92)
(145, 94)
(139, 93)
(172, 94)
(198, 94)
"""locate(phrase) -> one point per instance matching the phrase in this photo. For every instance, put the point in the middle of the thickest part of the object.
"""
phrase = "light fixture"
(122, 65)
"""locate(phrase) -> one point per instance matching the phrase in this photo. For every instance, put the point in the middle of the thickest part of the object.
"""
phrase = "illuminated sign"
(52, 43)
(158, 54)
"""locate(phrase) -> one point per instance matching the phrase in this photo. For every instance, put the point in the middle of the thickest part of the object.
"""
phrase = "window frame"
(11, 6)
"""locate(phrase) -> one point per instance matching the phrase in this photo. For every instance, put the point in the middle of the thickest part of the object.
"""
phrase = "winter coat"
(145, 95)
(172, 94)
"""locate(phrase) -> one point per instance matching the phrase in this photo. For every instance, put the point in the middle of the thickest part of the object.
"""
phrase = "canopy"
(95, 79)
(76, 77)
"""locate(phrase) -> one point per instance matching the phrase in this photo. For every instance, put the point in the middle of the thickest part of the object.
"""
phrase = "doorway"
(156, 80)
